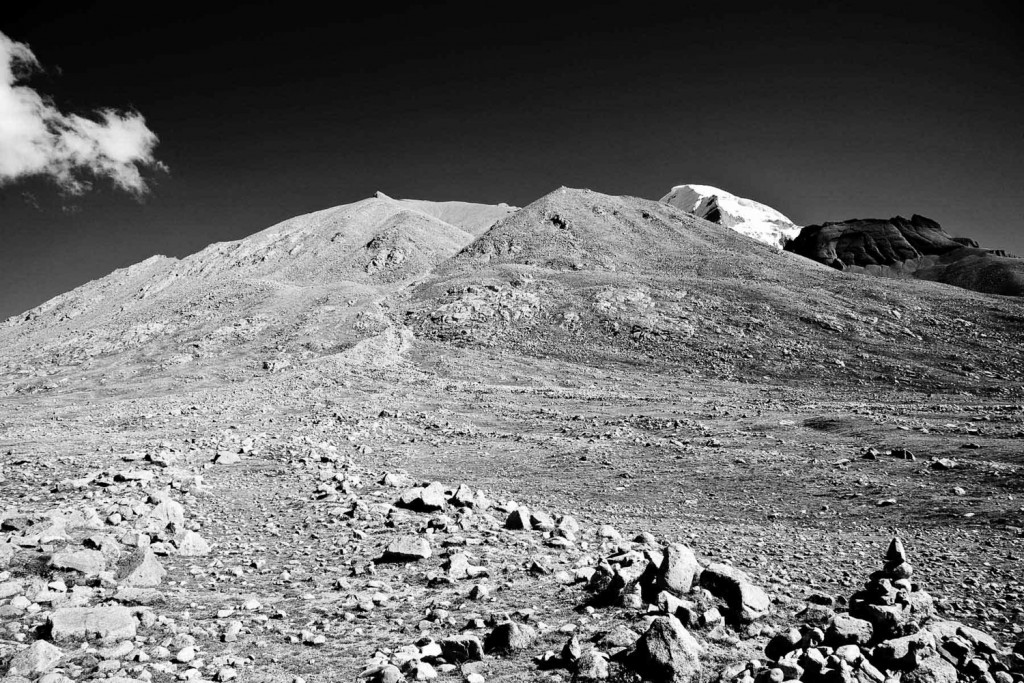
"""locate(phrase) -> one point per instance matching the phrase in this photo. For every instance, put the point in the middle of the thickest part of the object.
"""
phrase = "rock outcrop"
(917, 247)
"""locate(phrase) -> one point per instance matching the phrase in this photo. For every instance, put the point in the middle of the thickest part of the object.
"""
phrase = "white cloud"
(36, 138)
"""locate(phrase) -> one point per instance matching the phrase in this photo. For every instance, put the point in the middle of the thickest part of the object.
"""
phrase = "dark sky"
(825, 111)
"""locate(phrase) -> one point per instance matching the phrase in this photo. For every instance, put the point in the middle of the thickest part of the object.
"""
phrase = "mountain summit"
(745, 216)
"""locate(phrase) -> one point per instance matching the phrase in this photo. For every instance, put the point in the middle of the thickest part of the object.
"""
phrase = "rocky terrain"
(917, 248)
(596, 438)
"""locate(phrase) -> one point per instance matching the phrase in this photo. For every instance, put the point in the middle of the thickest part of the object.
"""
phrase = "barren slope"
(309, 285)
(580, 275)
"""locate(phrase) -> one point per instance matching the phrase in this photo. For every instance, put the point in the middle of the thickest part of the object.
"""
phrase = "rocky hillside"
(581, 275)
(312, 285)
(915, 248)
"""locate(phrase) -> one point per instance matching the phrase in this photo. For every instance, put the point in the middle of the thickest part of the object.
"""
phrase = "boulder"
(84, 623)
(6, 555)
(227, 458)
(518, 519)
(746, 602)
(932, 669)
(591, 666)
(407, 549)
(458, 649)
(141, 569)
(35, 660)
(428, 498)
(666, 653)
(902, 653)
(190, 544)
(458, 566)
(678, 570)
(847, 630)
(509, 638)
(87, 562)
(166, 513)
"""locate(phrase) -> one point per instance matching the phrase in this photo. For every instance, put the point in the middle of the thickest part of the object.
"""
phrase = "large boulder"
(666, 653)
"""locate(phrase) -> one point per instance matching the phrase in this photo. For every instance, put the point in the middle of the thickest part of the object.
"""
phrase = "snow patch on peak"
(745, 216)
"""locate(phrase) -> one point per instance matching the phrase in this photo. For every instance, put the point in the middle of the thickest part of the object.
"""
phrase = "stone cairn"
(891, 634)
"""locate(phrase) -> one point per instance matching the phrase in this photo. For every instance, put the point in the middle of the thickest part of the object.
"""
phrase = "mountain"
(910, 248)
(314, 280)
(745, 216)
(577, 275)
(590, 278)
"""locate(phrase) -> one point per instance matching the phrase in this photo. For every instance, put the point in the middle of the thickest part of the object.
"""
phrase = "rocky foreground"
(113, 576)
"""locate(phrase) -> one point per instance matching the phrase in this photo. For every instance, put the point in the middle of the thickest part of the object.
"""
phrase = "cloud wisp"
(37, 139)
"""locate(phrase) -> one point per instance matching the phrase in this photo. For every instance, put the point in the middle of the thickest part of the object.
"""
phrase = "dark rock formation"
(917, 248)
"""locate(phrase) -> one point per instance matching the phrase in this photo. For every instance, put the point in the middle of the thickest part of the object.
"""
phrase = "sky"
(145, 131)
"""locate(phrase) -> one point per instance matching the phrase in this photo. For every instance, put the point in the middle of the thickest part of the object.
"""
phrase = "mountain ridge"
(910, 248)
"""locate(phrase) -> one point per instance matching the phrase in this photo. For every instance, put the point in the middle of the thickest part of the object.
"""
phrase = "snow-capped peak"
(745, 216)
